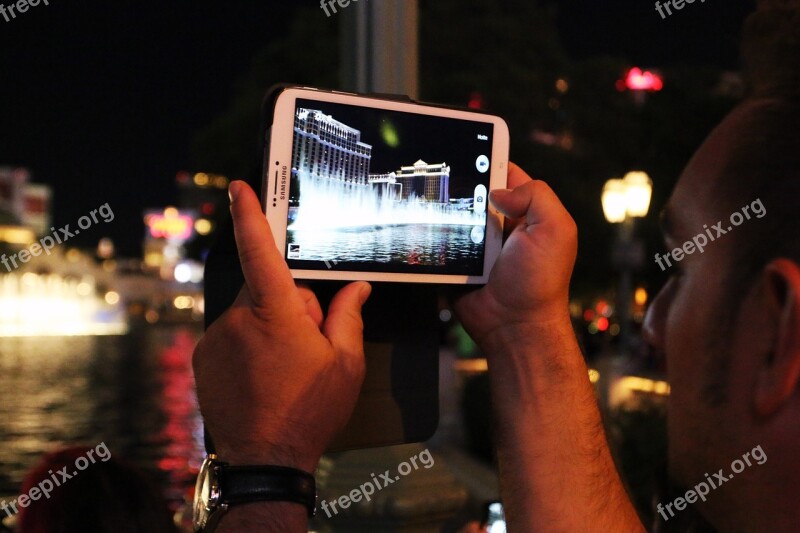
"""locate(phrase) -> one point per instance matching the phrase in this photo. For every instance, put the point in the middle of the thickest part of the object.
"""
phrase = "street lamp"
(638, 191)
(614, 201)
(627, 198)
(624, 200)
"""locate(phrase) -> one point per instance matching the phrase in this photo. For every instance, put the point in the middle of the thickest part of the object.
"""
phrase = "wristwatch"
(220, 485)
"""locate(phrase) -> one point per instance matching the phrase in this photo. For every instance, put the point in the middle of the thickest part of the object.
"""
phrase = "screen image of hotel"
(326, 148)
(421, 180)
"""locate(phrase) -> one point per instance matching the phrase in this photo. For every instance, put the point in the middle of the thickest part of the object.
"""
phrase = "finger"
(534, 201)
(267, 276)
(473, 527)
(313, 308)
(344, 327)
(516, 176)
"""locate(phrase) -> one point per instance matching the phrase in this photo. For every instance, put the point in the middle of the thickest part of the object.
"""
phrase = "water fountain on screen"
(330, 204)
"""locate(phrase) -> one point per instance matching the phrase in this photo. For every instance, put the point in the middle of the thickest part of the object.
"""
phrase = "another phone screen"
(387, 191)
(496, 521)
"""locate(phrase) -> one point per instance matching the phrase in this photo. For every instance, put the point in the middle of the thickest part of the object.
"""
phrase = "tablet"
(367, 188)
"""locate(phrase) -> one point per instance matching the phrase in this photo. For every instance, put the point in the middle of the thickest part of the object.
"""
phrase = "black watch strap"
(247, 484)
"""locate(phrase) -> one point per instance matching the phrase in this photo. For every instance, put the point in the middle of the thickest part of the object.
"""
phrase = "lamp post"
(624, 200)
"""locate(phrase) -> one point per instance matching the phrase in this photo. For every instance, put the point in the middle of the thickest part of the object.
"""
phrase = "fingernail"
(499, 194)
(233, 190)
(366, 290)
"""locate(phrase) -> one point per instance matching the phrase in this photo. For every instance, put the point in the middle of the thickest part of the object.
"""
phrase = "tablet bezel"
(277, 180)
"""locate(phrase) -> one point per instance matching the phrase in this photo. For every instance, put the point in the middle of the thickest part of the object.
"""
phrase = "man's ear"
(779, 376)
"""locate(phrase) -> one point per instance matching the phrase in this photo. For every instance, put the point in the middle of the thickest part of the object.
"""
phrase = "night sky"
(101, 99)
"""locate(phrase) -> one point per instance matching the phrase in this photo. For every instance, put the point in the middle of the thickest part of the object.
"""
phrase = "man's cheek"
(681, 433)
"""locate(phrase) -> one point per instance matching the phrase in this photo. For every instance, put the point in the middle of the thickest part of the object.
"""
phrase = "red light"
(636, 80)
(208, 208)
(588, 315)
(170, 227)
(475, 100)
(602, 323)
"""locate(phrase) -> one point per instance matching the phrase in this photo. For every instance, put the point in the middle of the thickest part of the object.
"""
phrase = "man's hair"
(771, 49)
(766, 160)
(764, 165)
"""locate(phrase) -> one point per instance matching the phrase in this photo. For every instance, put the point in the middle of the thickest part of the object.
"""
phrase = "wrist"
(541, 327)
(267, 454)
(266, 497)
(531, 363)
(265, 516)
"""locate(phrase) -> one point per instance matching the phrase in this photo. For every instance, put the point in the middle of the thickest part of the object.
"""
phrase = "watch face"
(206, 493)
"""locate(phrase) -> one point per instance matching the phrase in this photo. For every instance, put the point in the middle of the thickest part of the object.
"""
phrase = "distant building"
(12, 183)
(386, 185)
(326, 148)
(421, 180)
(22, 203)
(36, 207)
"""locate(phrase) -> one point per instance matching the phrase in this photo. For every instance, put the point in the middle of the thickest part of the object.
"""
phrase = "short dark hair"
(764, 164)
(768, 160)
(771, 49)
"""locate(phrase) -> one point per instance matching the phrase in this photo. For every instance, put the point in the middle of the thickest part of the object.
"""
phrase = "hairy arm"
(556, 471)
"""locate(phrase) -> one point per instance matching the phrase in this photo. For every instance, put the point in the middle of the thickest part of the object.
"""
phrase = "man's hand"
(530, 281)
(276, 380)
(556, 471)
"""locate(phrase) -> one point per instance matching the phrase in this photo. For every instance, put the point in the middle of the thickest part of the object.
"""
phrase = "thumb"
(534, 201)
(343, 326)
(512, 203)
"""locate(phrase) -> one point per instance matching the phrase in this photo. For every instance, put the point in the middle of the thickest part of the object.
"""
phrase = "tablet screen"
(387, 191)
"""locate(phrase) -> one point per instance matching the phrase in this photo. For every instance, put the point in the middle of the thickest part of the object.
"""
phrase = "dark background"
(107, 101)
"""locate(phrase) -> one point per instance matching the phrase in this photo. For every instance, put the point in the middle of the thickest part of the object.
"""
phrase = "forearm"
(265, 516)
(556, 470)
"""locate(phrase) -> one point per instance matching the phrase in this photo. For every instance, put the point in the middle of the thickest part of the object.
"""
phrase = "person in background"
(109, 496)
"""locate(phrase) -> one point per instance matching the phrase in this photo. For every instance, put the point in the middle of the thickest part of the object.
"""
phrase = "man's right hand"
(530, 281)
(556, 471)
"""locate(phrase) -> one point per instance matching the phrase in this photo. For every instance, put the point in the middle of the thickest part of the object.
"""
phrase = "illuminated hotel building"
(24, 206)
(324, 147)
(424, 180)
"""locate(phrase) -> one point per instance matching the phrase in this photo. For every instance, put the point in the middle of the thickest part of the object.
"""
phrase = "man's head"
(728, 320)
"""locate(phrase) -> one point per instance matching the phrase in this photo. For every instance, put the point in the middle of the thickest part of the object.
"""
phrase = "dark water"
(134, 392)
(424, 244)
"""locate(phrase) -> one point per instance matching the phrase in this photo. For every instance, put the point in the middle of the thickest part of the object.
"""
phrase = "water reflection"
(424, 244)
(135, 392)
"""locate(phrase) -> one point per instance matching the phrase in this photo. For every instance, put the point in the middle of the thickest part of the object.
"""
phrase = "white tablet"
(366, 188)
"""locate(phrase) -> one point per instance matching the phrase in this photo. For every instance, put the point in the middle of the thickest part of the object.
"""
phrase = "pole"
(379, 47)
(625, 290)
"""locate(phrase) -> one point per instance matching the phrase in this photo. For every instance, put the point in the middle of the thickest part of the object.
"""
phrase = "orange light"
(640, 296)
